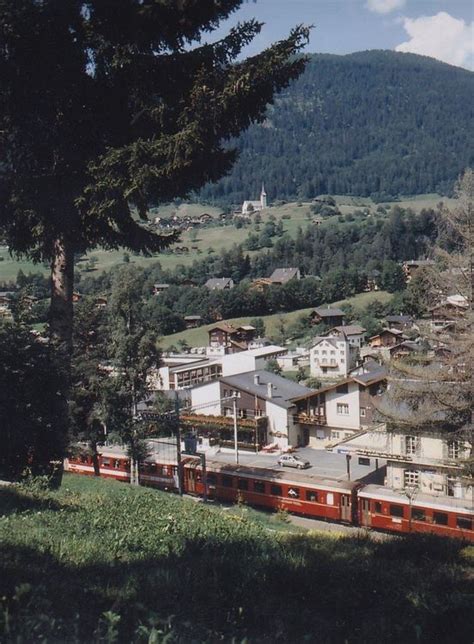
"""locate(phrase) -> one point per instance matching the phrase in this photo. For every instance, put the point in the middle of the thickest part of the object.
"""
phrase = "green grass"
(217, 238)
(100, 561)
(199, 337)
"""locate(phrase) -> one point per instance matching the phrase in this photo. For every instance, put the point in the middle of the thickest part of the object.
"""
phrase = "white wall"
(352, 419)
(209, 393)
(237, 363)
(278, 422)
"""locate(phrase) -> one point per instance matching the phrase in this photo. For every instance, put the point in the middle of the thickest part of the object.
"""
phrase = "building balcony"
(310, 419)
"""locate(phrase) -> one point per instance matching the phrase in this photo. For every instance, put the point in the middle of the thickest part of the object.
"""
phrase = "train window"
(84, 458)
(465, 523)
(441, 518)
(226, 480)
(330, 498)
(417, 514)
(242, 484)
(211, 478)
(117, 464)
(396, 511)
(106, 462)
(311, 496)
(259, 486)
(364, 461)
(294, 492)
(377, 507)
(275, 490)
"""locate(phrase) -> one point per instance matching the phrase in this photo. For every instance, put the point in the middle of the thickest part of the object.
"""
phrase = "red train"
(353, 503)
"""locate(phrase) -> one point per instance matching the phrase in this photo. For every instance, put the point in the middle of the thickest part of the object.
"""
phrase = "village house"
(332, 317)
(343, 409)
(354, 334)
(410, 267)
(251, 360)
(160, 288)
(192, 321)
(331, 357)
(400, 322)
(264, 409)
(386, 338)
(284, 275)
(229, 338)
(219, 283)
(448, 312)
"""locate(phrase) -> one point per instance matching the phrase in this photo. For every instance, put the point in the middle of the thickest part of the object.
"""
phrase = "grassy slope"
(199, 337)
(217, 238)
(101, 561)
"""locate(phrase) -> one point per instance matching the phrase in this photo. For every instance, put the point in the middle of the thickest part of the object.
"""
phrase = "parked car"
(290, 460)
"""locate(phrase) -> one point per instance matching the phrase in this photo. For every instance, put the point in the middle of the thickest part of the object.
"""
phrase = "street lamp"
(236, 446)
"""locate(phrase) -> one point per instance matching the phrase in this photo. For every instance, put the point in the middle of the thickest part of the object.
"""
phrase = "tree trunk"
(61, 313)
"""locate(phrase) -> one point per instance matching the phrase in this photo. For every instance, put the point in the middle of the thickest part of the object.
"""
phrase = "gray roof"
(327, 312)
(217, 282)
(318, 339)
(349, 329)
(283, 275)
(283, 389)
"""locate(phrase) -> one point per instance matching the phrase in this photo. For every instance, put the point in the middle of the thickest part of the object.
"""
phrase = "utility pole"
(178, 444)
(348, 466)
(236, 446)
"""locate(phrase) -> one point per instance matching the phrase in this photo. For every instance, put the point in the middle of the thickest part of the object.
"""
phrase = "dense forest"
(375, 123)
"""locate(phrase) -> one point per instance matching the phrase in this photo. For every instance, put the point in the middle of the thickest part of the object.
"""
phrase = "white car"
(290, 460)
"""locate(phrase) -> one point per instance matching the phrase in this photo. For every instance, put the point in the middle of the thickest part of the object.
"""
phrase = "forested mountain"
(376, 123)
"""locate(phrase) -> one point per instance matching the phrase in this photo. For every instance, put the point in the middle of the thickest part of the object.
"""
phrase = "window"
(410, 445)
(417, 514)
(454, 449)
(211, 478)
(117, 464)
(294, 492)
(324, 352)
(259, 486)
(226, 480)
(363, 412)
(242, 413)
(465, 523)
(84, 458)
(377, 507)
(311, 496)
(440, 518)
(242, 484)
(342, 389)
(333, 361)
(330, 498)
(411, 477)
(364, 461)
(396, 511)
(335, 435)
(106, 462)
(275, 490)
(342, 409)
(333, 353)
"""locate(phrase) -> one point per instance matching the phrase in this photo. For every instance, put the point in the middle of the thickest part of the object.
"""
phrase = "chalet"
(326, 315)
(343, 409)
(205, 218)
(192, 321)
(160, 288)
(354, 334)
(452, 309)
(100, 302)
(260, 284)
(284, 275)
(231, 338)
(219, 283)
(264, 406)
(386, 338)
(331, 357)
(6, 297)
(410, 267)
(400, 322)
(76, 296)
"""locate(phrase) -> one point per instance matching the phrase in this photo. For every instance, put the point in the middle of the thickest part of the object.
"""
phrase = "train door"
(365, 512)
(190, 480)
(346, 508)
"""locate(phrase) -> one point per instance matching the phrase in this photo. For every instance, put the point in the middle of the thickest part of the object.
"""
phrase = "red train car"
(391, 510)
(296, 492)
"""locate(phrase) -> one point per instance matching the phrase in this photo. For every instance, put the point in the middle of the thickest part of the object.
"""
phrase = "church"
(248, 207)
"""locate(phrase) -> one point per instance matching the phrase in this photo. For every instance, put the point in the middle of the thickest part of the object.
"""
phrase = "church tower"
(263, 198)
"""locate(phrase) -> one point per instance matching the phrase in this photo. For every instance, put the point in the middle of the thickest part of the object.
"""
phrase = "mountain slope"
(372, 123)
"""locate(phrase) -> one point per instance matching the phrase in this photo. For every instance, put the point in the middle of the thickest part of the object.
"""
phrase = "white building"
(331, 357)
(354, 334)
(248, 207)
(250, 360)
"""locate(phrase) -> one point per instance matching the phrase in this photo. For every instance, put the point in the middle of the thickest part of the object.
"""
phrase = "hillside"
(100, 561)
(375, 122)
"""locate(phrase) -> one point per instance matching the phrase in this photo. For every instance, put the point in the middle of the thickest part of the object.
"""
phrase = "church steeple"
(263, 197)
